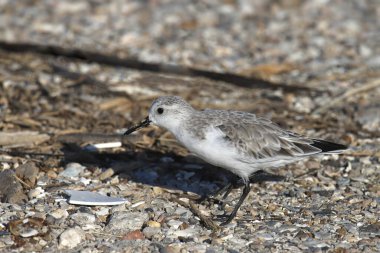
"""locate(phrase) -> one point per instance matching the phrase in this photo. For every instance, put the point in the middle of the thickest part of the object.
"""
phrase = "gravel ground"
(319, 59)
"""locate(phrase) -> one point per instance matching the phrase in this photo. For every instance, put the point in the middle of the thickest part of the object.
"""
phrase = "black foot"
(243, 196)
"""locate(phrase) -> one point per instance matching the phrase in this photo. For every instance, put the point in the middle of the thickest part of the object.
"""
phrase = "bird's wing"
(263, 140)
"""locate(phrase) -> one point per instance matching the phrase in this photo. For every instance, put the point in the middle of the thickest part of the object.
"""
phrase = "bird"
(237, 141)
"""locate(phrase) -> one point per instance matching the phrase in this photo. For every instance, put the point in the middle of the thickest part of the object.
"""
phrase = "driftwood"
(22, 139)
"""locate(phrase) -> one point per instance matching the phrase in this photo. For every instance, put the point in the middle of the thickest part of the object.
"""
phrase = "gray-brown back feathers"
(259, 138)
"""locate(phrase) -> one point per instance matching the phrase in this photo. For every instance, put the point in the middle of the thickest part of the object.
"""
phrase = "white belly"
(214, 150)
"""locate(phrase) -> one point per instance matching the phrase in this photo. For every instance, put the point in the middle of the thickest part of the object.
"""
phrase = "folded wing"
(262, 140)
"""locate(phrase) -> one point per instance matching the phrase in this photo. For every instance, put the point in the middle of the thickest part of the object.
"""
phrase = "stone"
(42, 242)
(83, 218)
(29, 233)
(264, 236)
(174, 223)
(38, 192)
(153, 224)
(52, 174)
(134, 235)
(70, 238)
(372, 229)
(149, 232)
(106, 174)
(72, 170)
(157, 190)
(6, 240)
(189, 232)
(127, 221)
(28, 172)
(11, 190)
(59, 213)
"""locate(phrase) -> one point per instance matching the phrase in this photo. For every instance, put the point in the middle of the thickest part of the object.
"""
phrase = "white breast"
(215, 150)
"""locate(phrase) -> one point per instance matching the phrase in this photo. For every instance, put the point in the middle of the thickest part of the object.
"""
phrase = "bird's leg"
(257, 177)
(228, 189)
(243, 196)
(224, 189)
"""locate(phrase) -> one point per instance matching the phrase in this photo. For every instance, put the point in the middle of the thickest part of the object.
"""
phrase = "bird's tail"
(328, 147)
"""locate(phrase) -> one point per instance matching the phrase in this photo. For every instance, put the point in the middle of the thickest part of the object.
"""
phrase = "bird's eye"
(160, 110)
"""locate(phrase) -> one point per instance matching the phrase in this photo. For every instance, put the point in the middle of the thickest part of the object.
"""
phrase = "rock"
(4, 165)
(157, 190)
(27, 227)
(372, 229)
(264, 236)
(189, 232)
(59, 213)
(102, 211)
(175, 223)
(149, 232)
(118, 208)
(52, 174)
(153, 224)
(304, 234)
(127, 221)
(11, 190)
(42, 242)
(106, 174)
(28, 172)
(6, 240)
(316, 244)
(287, 228)
(38, 192)
(134, 235)
(70, 238)
(72, 170)
(29, 233)
(83, 218)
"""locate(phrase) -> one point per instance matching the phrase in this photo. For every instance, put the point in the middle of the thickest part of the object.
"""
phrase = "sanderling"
(237, 141)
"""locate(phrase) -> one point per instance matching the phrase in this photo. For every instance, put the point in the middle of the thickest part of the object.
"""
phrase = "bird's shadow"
(169, 170)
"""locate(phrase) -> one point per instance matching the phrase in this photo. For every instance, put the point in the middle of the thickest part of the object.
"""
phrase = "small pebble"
(72, 170)
(175, 223)
(37, 192)
(134, 235)
(106, 174)
(59, 213)
(149, 232)
(153, 224)
(52, 174)
(83, 218)
(29, 233)
(70, 238)
(127, 221)
(42, 242)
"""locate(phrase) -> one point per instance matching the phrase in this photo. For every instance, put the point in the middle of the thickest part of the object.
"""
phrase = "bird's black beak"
(142, 124)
